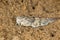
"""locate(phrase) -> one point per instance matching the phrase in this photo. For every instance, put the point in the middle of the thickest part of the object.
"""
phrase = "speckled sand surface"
(10, 9)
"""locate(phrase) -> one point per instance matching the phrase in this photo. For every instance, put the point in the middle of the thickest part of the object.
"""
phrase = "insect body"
(34, 22)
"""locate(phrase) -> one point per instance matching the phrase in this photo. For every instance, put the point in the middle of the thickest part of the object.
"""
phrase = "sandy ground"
(10, 9)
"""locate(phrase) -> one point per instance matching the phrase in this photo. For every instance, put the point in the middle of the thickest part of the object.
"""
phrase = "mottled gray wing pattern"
(34, 22)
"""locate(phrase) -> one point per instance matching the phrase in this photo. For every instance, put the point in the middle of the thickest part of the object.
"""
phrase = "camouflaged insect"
(34, 22)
